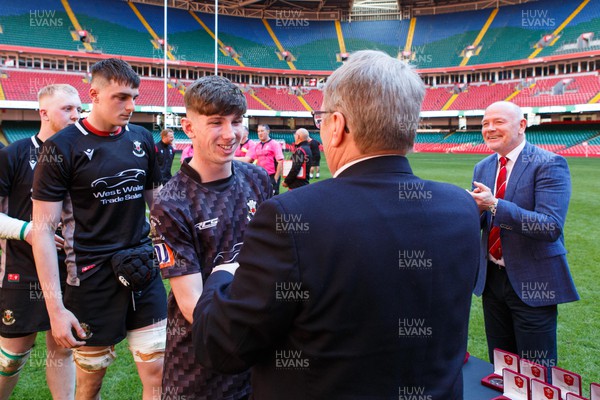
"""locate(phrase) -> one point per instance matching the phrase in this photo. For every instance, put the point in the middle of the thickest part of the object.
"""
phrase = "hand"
(59, 242)
(284, 184)
(62, 322)
(483, 196)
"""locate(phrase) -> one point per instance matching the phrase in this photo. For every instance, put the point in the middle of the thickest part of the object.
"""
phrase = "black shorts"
(110, 309)
(23, 312)
(316, 161)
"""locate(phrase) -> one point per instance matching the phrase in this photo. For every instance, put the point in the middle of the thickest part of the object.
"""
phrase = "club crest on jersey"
(251, 209)
(32, 164)
(8, 317)
(137, 149)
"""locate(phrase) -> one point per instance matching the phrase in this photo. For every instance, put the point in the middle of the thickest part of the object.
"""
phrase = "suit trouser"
(514, 326)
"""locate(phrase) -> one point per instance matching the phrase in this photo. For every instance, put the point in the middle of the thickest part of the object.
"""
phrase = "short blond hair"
(51, 90)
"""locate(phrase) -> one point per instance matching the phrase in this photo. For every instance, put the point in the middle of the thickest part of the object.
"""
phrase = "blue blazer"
(357, 287)
(532, 219)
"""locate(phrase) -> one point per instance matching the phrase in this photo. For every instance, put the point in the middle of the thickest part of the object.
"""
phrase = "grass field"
(579, 322)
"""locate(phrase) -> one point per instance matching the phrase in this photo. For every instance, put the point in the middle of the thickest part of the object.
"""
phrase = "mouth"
(228, 147)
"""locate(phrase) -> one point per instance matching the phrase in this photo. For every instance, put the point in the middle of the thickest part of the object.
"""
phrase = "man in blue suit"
(358, 286)
(523, 273)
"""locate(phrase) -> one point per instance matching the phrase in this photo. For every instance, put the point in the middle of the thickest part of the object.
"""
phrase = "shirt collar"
(514, 154)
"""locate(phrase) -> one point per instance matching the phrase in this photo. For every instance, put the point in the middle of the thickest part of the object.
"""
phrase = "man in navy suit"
(366, 295)
(523, 282)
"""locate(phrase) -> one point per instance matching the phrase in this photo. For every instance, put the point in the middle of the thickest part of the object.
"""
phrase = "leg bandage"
(149, 344)
(94, 360)
(12, 363)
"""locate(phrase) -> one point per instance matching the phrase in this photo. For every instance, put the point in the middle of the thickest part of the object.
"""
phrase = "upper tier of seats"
(438, 41)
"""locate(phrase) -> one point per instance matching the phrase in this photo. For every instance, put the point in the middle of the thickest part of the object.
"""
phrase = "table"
(473, 371)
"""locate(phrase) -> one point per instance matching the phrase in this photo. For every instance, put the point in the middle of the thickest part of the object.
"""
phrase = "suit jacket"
(357, 287)
(532, 219)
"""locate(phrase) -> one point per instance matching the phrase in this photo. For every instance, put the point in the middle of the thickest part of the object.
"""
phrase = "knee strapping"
(12, 363)
(148, 345)
(94, 360)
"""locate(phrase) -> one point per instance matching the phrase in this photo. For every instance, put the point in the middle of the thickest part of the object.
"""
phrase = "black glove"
(135, 268)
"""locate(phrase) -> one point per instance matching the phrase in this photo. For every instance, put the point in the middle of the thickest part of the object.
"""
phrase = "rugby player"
(101, 184)
(198, 221)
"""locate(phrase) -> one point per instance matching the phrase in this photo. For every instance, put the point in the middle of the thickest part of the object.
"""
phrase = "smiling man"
(523, 194)
(198, 221)
(100, 180)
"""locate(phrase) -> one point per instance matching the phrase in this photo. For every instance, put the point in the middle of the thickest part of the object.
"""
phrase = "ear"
(522, 126)
(94, 94)
(338, 134)
(44, 115)
(186, 126)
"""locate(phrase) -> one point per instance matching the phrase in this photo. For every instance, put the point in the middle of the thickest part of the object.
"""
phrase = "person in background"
(187, 153)
(315, 148)
(165, 154)
(269, 155)
(246, 146)
(301, 161)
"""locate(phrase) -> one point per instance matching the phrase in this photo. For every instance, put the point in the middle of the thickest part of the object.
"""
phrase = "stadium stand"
(560, 138)
(116, 28)
(314, 48)
(516, 29)
(17, 130)
(36, 23)
(388, 36)
(439, 39)
(314, 98)
(125, 29)
(249, 38)
(23, 85)
(572, 89)
(585, 21)
(478, 97)
(279, 99)
(435, 98)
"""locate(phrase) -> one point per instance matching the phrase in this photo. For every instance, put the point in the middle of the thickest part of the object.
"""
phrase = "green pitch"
(579, 322)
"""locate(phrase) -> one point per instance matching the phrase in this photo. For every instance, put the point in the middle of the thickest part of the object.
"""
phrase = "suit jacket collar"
(379, 164)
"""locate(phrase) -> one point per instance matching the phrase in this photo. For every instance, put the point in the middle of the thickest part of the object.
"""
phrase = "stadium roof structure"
(331, 9)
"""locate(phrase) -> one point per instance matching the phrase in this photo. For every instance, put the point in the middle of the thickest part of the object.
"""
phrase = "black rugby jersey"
(101, 181)
(17, 163)
(196, 226)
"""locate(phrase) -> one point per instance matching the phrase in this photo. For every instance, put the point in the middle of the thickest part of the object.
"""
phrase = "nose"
(229, 131)
(130, 105)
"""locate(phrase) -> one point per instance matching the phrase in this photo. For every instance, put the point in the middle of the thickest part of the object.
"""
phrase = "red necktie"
(494, 239)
